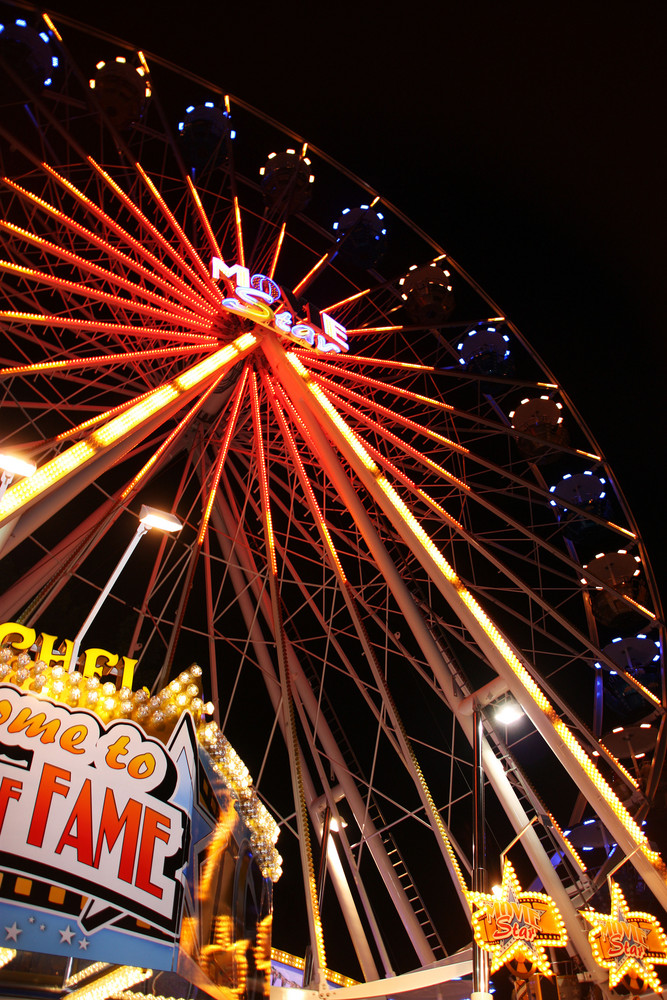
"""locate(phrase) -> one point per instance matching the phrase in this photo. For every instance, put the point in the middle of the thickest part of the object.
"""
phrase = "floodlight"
(154, 518)
(507, 713)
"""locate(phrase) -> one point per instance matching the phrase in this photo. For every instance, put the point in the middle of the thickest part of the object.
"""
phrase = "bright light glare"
(154, 518)
(15, 465)
(507, 713)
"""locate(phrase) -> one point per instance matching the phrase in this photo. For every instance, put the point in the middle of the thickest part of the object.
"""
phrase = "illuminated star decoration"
(515, 924)
(628, 944)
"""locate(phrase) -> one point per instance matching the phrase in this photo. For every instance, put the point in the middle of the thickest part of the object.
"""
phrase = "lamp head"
(154, 518)
(508, 712)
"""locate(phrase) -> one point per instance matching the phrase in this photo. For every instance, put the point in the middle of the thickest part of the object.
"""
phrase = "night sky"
(526, 138)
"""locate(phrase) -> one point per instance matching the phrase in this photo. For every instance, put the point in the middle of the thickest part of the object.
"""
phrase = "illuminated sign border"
(517, 925)
(627, 943)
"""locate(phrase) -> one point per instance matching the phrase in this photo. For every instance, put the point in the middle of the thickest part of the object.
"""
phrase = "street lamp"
(506, 712)
(11, 466)
(149, 517)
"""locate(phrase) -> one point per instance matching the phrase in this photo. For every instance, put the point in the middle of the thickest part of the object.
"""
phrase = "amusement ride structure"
(394, 521)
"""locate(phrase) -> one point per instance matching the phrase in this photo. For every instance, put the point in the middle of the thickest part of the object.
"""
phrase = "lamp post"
(11, 466)
(506, 711)
(480, 958)
(149, 517)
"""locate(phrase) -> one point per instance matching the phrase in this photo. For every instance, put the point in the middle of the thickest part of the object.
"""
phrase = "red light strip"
(101, 417)
(203, 217)
(175, 225)
(276, 254)
(88, 292)
(263, 476)
(379, 384)
(103, 359)
(187, 296)
(152, 229)
(91, 324)
(112, 277)
(361, 359)
(303, 476)
(49, 23)
(138, 247)
(345, 302)
(222, 456)
(406, 421)
(403, 445)
(376, 329)
(239, 231)
(311, 274)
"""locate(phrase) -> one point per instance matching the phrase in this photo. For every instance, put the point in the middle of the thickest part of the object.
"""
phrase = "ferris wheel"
(394, 519)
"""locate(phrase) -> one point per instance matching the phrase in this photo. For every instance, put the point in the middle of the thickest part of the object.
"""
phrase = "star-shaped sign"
(515, 924)
(12, 933)
(627, 943)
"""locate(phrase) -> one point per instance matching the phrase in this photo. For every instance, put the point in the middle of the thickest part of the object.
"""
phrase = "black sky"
(527, 138)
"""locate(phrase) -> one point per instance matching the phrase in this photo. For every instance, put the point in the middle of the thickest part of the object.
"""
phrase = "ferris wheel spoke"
(429, 403)
(162, 273)
(66, 323)
(406, 751)
(204, 273)
(203, 529)
(87, 267)
(308, 871)
(561, 556)
(531, 487)
(531, 594)
(102, 360)
(203, 217)
(133, 424)
(188, 275)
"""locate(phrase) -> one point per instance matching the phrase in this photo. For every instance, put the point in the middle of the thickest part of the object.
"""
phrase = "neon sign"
(255, 295)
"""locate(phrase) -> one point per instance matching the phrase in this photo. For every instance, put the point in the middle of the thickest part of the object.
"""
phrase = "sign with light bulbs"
(123, 818)
(627, 943)
(516, 926)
